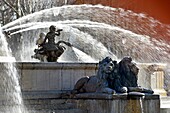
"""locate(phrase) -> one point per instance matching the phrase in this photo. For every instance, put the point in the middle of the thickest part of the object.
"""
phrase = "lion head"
(106, 67)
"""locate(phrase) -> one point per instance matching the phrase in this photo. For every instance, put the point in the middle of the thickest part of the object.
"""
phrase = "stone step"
(165, 110)
(45, 94)
(59, 111)
(59, 102)
(165, 104)
(49, 106)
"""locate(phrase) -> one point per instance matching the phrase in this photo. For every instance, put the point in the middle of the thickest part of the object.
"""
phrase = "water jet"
(10, 90)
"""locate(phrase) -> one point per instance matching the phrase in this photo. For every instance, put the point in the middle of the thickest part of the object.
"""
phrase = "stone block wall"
(53, 76)
(54, 102)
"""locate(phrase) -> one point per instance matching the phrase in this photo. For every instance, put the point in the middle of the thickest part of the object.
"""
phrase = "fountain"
(113, 22)
(95, 32)
(10, 91)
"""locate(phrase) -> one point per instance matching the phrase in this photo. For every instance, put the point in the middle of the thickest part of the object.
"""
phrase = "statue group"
(112, 77)
(48, 50)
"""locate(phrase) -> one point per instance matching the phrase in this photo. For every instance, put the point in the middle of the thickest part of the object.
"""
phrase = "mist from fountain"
(10, 91)
(82, 41)
(96, 30)
(114, 40)
(106, 25)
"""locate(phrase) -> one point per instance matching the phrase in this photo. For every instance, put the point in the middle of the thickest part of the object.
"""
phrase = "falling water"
(96, 30)
(82, 56)
(141, 104)
(116, 29)
(82, 41)
(10, 92)
(98, 37)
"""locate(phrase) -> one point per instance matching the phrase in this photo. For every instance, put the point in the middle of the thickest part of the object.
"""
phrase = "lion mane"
(128, 72)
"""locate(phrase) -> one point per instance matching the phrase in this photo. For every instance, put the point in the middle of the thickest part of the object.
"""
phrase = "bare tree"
(10, 10)
(14, 9)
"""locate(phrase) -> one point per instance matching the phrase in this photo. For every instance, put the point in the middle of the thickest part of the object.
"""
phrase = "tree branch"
(10, 5)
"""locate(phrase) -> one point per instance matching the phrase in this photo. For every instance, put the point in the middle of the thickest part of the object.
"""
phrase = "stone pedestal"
(152, 76)
(158, 83)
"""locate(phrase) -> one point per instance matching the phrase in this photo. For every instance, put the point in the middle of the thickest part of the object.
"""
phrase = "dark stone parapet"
(62, 102)
(97, 96)
(55, 65)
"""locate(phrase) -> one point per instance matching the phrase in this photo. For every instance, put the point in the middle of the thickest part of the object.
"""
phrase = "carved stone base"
(161, 92)
(152, 76)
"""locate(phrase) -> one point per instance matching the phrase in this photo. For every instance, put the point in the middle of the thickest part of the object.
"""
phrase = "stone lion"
(112, 77)
(98, 83)
(128, 72)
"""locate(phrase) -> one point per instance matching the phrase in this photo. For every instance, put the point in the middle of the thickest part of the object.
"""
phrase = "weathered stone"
(90, 103)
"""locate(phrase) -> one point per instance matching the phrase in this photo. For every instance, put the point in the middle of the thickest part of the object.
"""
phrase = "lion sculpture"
(128, 77)
(112, 78)
(128, 72)
(98, 83)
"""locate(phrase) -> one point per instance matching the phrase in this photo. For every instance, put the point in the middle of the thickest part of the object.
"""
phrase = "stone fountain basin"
(59, 101)
(45, 86)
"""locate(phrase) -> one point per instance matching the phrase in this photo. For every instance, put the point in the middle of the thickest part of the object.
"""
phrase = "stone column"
(152, 76)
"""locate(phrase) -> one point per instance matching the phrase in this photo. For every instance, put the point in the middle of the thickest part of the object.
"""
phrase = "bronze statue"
(50, 36)
(49, 51)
